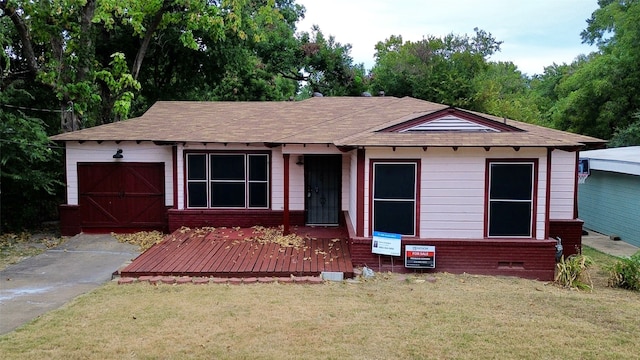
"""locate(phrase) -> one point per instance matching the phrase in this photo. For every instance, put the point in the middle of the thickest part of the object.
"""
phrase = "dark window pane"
(511, 181)
(510, 218)
(197, 194)
(394, 217)
(257, 194)
(395, 181)
(196, 167)
(258, 167)
(227, 167)
(227, 195)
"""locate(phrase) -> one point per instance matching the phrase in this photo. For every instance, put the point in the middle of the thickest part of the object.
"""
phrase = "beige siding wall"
(563, 173)
(452, 188)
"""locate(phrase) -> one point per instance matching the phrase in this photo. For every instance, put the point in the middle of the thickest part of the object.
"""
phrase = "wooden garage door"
(121, 196)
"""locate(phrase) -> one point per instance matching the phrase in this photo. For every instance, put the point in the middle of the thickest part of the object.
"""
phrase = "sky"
(535, 33)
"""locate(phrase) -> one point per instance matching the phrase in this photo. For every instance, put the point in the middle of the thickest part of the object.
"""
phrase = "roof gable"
(453, 120)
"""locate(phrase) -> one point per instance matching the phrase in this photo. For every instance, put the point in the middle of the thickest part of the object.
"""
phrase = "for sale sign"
(420, 256)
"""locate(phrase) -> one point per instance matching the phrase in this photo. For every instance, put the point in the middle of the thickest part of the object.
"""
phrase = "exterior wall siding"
(452, 188)
(563, 175)
(91, 152)
(609, 203)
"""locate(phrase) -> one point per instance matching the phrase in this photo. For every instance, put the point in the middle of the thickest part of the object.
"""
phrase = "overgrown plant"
(625, 273)
(573, 273)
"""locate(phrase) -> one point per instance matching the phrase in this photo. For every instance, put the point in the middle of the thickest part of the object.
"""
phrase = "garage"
(121, 197)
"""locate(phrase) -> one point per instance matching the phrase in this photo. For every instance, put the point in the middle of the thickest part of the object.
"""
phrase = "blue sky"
(535, 33)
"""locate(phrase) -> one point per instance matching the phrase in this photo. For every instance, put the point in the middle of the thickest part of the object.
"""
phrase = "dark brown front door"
(125, 196)
(323, 185)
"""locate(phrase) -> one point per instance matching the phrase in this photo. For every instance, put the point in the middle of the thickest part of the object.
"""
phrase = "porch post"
(360, 193)
(285, 220)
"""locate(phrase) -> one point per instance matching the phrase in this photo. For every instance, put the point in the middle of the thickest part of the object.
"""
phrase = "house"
(489, 193)
(609, 199)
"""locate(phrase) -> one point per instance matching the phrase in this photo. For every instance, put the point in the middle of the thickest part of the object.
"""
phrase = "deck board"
(233, 253)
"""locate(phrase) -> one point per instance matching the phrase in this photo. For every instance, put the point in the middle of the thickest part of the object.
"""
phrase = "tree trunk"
(142, 51)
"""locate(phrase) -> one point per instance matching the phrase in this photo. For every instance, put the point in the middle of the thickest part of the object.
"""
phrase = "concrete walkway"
(612, 247)
(47, 281)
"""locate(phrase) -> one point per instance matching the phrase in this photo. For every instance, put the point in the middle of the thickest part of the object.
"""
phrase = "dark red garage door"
(121, 196)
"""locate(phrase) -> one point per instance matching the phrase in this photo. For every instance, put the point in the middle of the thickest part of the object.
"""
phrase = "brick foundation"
(69, 220)
(532, 259)
(231, 218)
(570, 231)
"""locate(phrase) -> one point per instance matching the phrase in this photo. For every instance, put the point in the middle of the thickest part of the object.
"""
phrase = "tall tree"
(62, 42)
(435, 69)
(602, 96)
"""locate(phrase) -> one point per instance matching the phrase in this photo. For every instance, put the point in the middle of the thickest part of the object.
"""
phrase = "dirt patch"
(15, 247)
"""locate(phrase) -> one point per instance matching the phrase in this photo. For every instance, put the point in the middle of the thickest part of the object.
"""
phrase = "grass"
(455, 317)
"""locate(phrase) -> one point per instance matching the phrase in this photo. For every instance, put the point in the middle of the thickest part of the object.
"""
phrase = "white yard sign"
(386, 243)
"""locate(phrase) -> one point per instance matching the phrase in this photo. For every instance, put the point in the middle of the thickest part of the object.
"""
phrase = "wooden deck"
(236, 252)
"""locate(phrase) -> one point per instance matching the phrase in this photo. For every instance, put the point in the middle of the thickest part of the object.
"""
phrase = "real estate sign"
(420, 256)
(386, 243)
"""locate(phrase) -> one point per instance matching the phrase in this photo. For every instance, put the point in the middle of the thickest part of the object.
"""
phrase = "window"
(510, 203)
(394, 197)
(230, 180)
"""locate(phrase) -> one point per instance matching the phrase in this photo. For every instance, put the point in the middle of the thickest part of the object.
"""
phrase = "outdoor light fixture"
(300, 160)
(118, 154)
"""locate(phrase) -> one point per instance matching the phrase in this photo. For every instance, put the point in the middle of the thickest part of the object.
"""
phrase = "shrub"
(573, 273)
(625, 273)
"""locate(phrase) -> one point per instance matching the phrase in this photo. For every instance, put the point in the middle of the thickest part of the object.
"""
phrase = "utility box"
(420, 257)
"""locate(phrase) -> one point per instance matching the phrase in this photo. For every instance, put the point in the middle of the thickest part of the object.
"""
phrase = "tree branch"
(25, 37)
(142, 51)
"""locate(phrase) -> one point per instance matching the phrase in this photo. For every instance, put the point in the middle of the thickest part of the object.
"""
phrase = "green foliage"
(442, 70)
(625, 273)
(29, 168)
(602, 93)
(629, 136)
(573, 273)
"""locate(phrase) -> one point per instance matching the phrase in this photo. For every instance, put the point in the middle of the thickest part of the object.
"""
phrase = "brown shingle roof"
(343, 121)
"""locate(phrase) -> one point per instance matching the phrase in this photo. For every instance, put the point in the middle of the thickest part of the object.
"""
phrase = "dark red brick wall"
(230, 218)
(69, 220)
(570, 231)
(533, 259)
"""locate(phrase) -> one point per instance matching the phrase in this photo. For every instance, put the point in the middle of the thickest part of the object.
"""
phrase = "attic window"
(449, 123)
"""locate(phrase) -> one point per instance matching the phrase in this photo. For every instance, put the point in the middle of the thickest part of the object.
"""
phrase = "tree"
(70, 44)
(435, 69)
(502, 90)
(602, 95)
(29, 167)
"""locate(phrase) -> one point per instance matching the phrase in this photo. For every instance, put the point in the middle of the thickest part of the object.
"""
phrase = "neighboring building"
(489, 193)
(609, 200)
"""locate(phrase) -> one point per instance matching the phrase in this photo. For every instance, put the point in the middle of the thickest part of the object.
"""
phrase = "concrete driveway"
(47, 281)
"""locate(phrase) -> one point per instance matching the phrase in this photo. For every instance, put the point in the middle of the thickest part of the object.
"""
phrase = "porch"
(245, 252)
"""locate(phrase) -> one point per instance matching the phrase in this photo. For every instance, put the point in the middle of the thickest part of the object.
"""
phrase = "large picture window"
(510, 203)
(232, 180)
(394, 197)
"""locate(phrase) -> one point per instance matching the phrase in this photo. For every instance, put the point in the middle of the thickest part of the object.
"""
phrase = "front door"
(322, 185)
